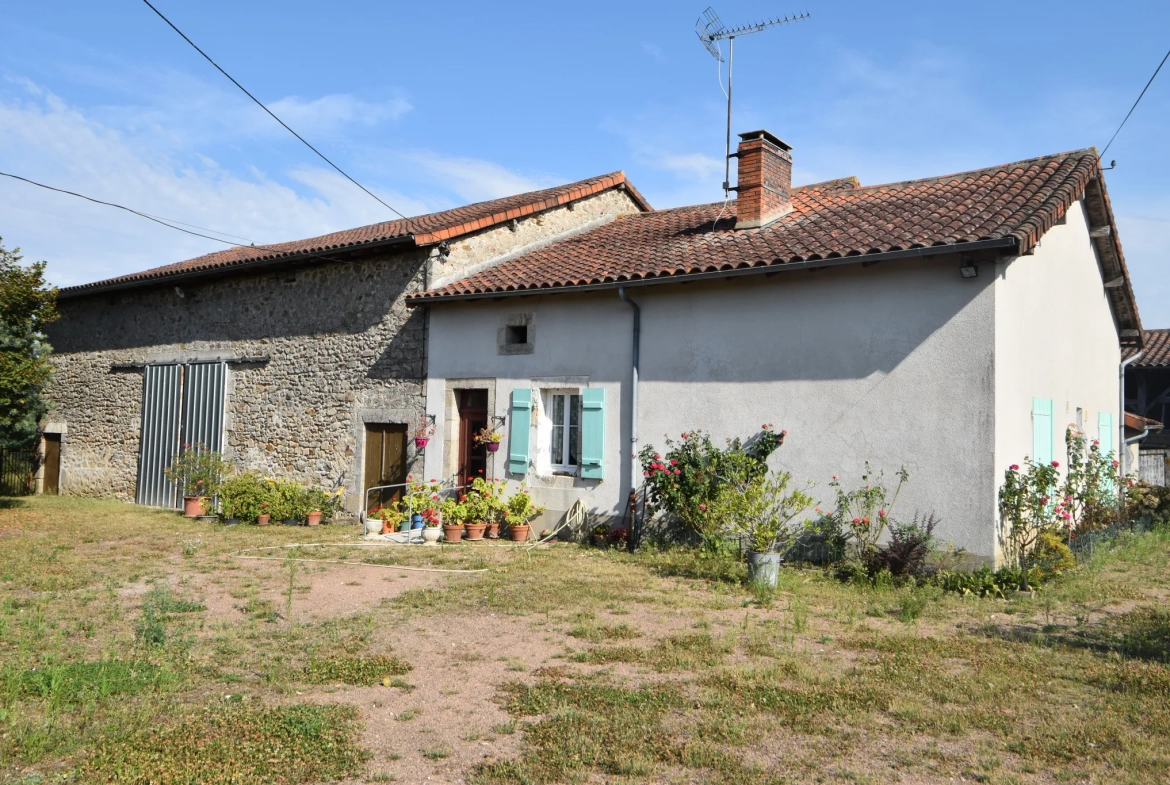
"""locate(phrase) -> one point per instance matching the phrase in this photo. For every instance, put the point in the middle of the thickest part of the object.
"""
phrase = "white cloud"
(653, 50)
(473, 179)
(331, 113)
(695, 166)
(45, 139)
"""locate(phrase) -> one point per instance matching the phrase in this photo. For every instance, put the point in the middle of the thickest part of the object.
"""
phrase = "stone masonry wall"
(343, 350)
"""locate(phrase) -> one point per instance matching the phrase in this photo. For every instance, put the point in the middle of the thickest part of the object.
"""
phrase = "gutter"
(84, 290)
(768, 269)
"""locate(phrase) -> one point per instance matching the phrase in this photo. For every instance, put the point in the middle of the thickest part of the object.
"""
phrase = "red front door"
(473, 416)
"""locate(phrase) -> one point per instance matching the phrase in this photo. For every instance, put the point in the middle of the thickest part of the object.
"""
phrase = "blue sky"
(436, 104)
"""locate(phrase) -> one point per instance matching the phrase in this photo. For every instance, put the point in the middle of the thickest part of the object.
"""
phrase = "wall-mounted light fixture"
(969, 270)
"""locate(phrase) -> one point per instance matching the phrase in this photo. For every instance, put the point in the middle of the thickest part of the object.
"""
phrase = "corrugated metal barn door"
(203, 386)
(181, 404)
(161, 418)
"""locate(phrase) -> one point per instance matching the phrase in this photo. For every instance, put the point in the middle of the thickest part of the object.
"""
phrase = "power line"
(1135, 103)
(129, 210)
(156, 219)
(269, 111)
(204, 228)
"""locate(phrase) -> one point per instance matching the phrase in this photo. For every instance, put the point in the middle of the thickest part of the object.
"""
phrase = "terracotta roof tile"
(1155, 350)
(423, 230)
(1014, 203)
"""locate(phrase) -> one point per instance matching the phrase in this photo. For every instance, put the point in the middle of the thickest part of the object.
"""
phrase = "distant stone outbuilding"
(299, 360)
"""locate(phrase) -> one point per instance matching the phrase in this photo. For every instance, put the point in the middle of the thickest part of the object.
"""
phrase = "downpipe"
(633, 413)
(1123, 450)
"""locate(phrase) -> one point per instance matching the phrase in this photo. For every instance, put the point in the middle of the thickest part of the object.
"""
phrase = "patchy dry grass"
(127, 653)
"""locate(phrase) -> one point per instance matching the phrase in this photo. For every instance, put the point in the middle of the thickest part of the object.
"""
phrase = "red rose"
(1056, 464)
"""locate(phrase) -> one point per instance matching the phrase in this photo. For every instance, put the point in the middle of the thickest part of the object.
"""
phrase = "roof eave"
(242, 268)
(999, 243)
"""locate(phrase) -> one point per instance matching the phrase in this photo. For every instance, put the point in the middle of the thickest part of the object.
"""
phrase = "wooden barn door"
(385, 462)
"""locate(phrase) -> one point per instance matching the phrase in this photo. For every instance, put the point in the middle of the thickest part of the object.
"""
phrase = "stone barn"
(299, 360)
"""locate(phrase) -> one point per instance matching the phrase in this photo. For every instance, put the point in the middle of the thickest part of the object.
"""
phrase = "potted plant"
(491, 505)
(761, 510)
(599, 535)
(264, 516)
(318, 504)
(198, 472)
(489, 438)
(432, 532)
(520, 511)
(424, 429)
(454, 513)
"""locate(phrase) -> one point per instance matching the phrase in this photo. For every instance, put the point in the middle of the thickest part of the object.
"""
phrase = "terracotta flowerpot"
(421, 442)
(452, 533)
(519, 532)
(314, 518)
(386, 527)
(193, 506)
(475, 531)
(262, 520)
(493, 531)
(492, 446)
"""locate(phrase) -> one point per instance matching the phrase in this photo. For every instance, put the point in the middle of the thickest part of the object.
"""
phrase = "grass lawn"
(136, 646)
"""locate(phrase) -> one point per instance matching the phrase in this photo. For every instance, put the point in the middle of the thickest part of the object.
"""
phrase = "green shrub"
(1050, 557)
(198, 471)
(982, 582)
(245, 496)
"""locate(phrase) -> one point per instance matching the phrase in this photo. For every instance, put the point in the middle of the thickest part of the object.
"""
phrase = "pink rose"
(703, 507)
(1015, 467)
(857, 520)
(1056, 464)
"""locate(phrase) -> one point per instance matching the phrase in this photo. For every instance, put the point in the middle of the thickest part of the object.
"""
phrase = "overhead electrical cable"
(157, 220)
(270, 113)
(1135, 104)
(130, 210)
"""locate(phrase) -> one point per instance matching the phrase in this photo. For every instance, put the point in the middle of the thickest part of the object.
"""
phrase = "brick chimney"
(765, 180)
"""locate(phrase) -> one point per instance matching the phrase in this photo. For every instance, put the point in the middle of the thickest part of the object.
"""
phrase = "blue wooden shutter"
(592, 432)
(1105, 431)
(1042, 430)
(519, 429)
(1105, 437)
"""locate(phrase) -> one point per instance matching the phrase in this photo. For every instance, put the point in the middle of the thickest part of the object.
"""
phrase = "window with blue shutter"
(1042, 430)
(592, 432)
(520, 425)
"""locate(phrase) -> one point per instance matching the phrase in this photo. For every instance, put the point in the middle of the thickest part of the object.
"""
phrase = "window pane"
(574, 409)
(574, 444)
(558, 430)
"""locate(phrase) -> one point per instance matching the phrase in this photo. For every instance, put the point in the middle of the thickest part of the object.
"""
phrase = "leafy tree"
(27, 304)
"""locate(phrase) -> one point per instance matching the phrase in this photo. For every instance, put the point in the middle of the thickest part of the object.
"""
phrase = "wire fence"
(18, 469)
(1084, 546)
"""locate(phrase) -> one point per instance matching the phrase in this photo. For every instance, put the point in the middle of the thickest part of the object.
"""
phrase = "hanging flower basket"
(420, 442)
(492, 446)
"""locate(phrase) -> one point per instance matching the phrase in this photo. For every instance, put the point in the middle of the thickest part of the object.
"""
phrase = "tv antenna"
(710, 31)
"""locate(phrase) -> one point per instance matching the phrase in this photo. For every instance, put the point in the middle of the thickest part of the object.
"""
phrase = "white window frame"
(557, 464)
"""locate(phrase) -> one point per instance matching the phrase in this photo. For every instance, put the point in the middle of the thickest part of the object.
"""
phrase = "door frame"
(450, 428)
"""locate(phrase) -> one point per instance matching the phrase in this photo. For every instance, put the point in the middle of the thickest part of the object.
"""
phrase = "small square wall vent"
(516, 334)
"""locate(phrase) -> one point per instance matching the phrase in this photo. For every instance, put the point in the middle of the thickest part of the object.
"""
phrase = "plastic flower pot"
(764, 568)
(404, 526)
(314, 518)
(416, 521)
(492, 446)
(420, 442)
(475, 531)
(453, 533)
(291, 522)
(193, 506)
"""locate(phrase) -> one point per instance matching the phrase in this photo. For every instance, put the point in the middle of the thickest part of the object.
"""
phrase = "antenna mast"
(710, 30)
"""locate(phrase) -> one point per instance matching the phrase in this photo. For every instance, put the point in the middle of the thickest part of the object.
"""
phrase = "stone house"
(298, 360)
(951, 325)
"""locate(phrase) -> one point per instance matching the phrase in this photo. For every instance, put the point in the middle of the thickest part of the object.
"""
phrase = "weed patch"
(359, 671)
(235, 743)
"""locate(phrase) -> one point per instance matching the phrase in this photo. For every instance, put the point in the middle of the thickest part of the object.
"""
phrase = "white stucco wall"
(1055, 338)
(891, 363)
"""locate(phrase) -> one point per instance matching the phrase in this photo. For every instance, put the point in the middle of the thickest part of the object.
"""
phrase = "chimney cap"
(767, 136)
